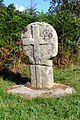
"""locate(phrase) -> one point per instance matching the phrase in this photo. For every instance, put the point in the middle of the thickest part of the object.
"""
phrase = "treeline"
(12, 22)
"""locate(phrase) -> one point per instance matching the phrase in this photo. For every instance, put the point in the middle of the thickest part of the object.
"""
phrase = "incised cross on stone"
(40, 43)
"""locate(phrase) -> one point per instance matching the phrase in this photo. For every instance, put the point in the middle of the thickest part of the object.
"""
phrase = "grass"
(16, 107)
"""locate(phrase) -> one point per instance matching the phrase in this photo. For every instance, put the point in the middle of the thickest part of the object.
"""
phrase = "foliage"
(67, 26)
(71, 5)
(1, 2)
(12, 22)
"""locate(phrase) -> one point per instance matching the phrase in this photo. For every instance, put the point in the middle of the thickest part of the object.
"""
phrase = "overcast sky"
(21, 5)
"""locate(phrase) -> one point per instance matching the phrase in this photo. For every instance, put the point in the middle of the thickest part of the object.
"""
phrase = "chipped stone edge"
(32, 93)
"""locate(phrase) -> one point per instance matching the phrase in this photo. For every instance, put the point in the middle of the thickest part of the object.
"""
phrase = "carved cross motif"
(40, 44)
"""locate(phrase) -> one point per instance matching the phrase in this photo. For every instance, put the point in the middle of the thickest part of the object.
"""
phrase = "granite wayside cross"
(40, 44)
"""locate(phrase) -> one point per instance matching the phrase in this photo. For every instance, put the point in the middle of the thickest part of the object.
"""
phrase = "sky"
(21, 5)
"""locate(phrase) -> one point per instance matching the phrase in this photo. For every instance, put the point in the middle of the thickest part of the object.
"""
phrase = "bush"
(67, 26)
(12, 23)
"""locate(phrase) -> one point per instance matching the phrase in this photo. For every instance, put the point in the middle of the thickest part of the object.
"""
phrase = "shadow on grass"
(6, 74)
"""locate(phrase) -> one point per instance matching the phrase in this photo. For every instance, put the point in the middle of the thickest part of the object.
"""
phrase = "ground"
(17, 107)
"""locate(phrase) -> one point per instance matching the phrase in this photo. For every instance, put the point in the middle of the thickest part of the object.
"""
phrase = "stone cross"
(40, 43)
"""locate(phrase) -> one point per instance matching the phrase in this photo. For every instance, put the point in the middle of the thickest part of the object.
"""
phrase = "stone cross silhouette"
(40, 43)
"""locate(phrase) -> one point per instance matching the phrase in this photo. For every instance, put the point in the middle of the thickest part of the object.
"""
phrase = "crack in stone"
(42, 65)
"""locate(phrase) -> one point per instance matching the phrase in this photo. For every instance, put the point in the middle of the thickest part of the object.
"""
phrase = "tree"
(1, 2)
(31, 10)
(72, 5)
(67, 26)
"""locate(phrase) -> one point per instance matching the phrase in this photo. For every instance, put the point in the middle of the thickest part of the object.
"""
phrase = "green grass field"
(16, 107)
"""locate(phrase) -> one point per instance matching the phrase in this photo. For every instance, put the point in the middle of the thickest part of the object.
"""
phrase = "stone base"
(57, 90)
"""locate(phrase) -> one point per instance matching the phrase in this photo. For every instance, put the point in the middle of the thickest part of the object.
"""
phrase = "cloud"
(20, 8)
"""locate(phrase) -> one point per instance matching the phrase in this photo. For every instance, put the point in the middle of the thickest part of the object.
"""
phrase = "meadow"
(17, 107)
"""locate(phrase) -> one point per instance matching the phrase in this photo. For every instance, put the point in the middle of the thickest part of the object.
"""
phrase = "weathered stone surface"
(58, 90)
(41, 76)
(40, 43)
